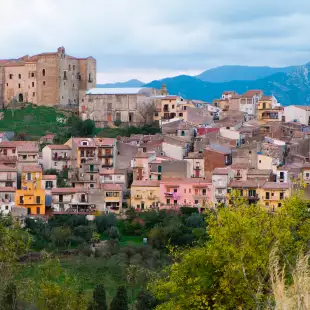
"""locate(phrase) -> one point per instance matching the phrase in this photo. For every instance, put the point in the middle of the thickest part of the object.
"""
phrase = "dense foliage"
(230, 270)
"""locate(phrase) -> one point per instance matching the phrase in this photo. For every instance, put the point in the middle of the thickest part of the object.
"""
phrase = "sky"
(153, 39)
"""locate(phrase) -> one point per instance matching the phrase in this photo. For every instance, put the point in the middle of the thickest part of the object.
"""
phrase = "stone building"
(46, 79)
(133, 106)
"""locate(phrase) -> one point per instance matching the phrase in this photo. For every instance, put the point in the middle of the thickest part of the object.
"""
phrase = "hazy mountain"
(130, 83)
(289, 88)
(240, 73)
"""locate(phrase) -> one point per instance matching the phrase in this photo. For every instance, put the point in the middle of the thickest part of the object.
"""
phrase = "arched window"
(43, 72)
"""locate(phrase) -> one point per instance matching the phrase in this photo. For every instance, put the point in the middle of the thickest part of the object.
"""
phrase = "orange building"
(31, 195)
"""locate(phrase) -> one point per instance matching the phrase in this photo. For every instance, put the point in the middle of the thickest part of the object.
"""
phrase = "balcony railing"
(218, 195)
(55, 158)
(103, 155)
(253, 197)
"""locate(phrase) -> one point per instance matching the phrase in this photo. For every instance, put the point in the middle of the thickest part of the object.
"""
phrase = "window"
(91, 185)
(175, 190)
(184, 190)
(44, 83)
(19, 76)
(204, 192)
(55, 163)
(196, 202)
(65, 75)
(281, 195)
(7, 84)
(250, 152)
(29, 176)
(85, 143)
(32, 84)
(175, 202)
(307, 175)
(21, 199)
(159, 177)
(173, 106)
(73, 67)
(260, 161)
(24, 156)
(32, 74)
(38, 199)
(11, 76)
(156, 114)
(38, 210)
(279, 205)
(267, 195)
(48, 184)
(182, 133)
(14, 151)
(181, 114)
(189, 190)
(92, 178)
(168, 201)
(29, 210)
(272, 194)
(5, 152)
(8, 184)
(33, 94)
(69, 67)
(18, 85)
(43, 72)
(73, 86)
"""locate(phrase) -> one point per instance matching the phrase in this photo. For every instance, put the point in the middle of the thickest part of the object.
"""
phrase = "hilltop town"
(245, 142)
(106, 191)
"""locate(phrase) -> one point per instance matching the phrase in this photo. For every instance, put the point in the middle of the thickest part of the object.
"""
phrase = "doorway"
(20, 98)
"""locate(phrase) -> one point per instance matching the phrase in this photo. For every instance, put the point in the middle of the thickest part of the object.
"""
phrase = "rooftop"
(221, 171)
(59, 147)
(247, 184)
(5, 168)
(31, 168)
(111, 187)
(266, 172)
(303, 107)
(105, 141)
(251, 93)
(115, 91)
(49, 177)
(66, 190)
(274, 185)
(147, 183)
(218, 148)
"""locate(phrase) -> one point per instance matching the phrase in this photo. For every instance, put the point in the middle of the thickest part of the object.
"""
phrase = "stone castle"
(46, 79)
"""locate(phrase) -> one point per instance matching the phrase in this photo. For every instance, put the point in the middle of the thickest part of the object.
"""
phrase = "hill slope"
(130, 83)
(288, 88)
(240, 73)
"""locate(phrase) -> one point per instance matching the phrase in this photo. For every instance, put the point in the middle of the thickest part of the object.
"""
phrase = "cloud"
(158, 37)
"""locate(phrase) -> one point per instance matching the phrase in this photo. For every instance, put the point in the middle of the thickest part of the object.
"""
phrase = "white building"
(56, 157)
(221, 177)
(248, 101)
(294, 113)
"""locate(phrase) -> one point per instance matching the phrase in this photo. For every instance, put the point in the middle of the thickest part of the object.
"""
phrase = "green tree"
(230, 270)
(54, 289)
(145, 301)
(60, 236)
(120, 301)
(99, 298)
(13, 244)
(9, 301)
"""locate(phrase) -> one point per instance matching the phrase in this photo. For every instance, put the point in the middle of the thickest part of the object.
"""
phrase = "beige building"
(46, 79)
(56, 157)
(129, 105)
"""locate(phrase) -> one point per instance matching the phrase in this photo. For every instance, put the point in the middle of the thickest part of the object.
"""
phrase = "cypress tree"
(145, 301)
(99, 298)
(120, 301)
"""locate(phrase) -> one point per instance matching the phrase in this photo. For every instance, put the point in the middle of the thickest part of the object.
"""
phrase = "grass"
(34, 121)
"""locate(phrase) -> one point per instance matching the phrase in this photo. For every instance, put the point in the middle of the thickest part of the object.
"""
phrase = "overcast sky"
(151, 39)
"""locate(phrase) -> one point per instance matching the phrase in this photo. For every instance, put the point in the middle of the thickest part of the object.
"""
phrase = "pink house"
(175, 193)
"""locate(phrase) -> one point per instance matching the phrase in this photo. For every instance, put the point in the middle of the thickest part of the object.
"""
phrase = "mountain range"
(290, 85)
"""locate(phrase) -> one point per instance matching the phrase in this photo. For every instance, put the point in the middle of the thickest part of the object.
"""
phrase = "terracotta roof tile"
(31, 168)
(147, 183)
(49, 177)
(274, 185)
(59, 147)
(111, 187)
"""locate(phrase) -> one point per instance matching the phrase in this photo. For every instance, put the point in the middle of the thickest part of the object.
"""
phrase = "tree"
(230, 270)
(60, 236)
(145, 301)
(13, 243)
(114, 233)
(99, 298)
(146, 110)
(9, 301)
(134, 273)
(54, 289)
(120, 301)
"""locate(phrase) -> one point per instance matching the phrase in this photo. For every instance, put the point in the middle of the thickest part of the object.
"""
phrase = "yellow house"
(272, 194)
(145, 195)
(265, 162)
(31, 195)
(266, 111)
(248, 189)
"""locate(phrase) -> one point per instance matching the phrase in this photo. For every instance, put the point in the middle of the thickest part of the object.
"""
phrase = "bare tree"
(146, 110)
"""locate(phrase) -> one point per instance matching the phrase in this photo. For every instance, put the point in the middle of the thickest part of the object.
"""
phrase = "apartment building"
(221, 177)
(113, 198)
(145, 195)
(8, 176)
(46, 79)
(268, 110)
(249, 100)
(56, 157)
(72, 201)
(175, 193)
(31, 196)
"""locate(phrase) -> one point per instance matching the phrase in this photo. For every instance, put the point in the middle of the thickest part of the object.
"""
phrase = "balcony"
(107, 165)
(91, 209)
(253, 197)
(104, 155)
(220, 196)
(59, 157)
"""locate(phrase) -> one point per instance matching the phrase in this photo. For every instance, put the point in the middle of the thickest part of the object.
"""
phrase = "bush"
(118, 123)
(104, 222)
(84, 232)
